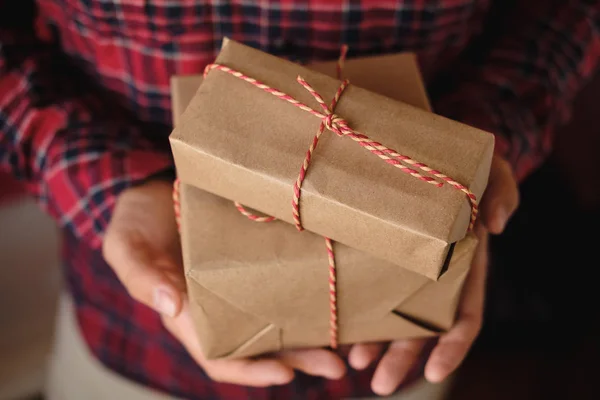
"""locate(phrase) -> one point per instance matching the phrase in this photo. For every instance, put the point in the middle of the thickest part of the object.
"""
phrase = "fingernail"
(437, 373)
(358, 361)
(164, 302)
(437, 376)
(382, 389)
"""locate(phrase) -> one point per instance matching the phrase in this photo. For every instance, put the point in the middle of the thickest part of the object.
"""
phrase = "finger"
(453, 346)
(316, 362)
(395, 365)
(473, 292)
(501, 197)
(153, 287)
(363, 354)
(148, 279)
(451, 350)
(257, 373)
(246, 372)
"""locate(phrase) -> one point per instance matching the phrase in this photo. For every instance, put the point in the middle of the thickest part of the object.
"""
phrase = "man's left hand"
(498, 204)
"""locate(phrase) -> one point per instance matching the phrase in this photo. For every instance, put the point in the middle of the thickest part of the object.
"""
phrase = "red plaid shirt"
(85, 112)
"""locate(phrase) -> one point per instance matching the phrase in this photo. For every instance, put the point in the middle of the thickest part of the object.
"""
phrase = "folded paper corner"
(266, 341)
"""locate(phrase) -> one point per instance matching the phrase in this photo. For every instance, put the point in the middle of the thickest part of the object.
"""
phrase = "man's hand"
(142, 246)
(498, 204)
(277, 369)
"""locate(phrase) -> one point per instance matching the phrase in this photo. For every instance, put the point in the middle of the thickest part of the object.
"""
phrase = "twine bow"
(338, 125)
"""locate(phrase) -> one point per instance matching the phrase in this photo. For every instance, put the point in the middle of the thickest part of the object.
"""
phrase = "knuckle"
(113, 245)
(133, 286)
(502, 164)
(407, 348)
(412, 352)
(131, 290)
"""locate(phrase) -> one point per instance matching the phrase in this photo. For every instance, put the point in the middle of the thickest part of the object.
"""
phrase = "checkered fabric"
(85, 113)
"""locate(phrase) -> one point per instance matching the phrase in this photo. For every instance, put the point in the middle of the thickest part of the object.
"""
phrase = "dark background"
(541, 337)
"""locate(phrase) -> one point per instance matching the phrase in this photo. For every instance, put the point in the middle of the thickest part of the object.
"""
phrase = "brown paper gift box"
(260, 287)
(243, 144)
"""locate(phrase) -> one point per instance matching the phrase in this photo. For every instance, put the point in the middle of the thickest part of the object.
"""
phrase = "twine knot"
(335, 124)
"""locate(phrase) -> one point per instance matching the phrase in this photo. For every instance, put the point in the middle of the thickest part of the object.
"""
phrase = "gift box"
(256, 287)
(387, 178)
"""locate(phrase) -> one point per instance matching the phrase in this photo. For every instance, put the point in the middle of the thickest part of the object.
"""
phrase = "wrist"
(161, 180)
(166, 175)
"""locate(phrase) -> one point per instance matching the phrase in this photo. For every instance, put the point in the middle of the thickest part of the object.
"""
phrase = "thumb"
(501, 197)
(154, 281)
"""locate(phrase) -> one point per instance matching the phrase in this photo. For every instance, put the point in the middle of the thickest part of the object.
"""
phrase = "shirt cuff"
(85, 207)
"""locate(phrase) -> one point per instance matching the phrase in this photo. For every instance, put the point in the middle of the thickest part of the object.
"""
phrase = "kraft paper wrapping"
(241, 143)
(260, 287)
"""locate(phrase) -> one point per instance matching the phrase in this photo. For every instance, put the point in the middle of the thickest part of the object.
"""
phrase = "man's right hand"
(277, 369)
(142, 246)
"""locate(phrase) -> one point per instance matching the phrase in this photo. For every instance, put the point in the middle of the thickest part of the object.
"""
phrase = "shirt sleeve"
(74, 149)
(522, 88)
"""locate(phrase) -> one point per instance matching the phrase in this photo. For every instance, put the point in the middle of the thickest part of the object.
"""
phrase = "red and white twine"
(339, 126)
(177, 204)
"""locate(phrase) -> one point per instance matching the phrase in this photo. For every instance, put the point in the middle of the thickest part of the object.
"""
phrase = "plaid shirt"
(85, 112)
